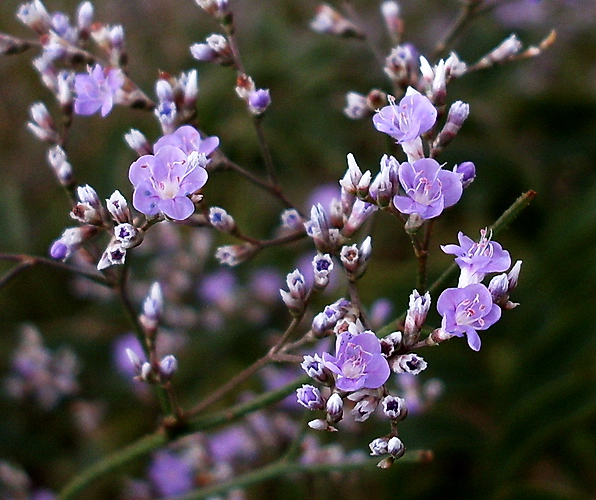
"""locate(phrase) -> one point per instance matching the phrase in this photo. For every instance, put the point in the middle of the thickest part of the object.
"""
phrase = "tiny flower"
(322, 267)
(42, 126)
(466, 172)
(114, 254)
(118, 208)
(164, 181)
(394, 408)
(361, 211)
(258, 101)
(454, 67)
(352, 177)
(98, 90)
(167, 368)
(378, 446)
(457, 115)
(128, 235)
(60, 165)
(232, 255)
(294, 299)
(320, 424)
(408, 363)
(153, 306)
(291, 219)
(335, 408)
(138, 142)
(412, 117)
(428, 188)
(391, 343)
(386, 184)
(135, 360)
(417, 311)
(314, 368)
(35, 15)
(84, 16)
(310, 397)
(476, 260)
(221, 220)
(358, 362)
(402, 65)
(466, 310)
(70, 241)
(189, 140)
(324, 322)
(395, 447)
(356, 106)
(391, 14)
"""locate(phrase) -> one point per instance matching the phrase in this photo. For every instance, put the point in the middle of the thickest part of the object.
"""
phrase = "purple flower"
(97, 90)
(170, 475)
(188, 139)
(258, 101)
(163, 182)
(466, 310)
(429, 189)
(412, 117)
(476, 260)
(310, 397)
(358, 362)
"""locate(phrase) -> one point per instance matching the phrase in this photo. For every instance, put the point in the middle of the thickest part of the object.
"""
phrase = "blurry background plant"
(516, 419)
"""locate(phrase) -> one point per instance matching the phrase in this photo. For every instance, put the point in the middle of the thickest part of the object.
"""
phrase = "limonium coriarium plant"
(340, 360)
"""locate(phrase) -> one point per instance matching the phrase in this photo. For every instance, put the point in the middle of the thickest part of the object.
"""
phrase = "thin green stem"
(33, 261)
(468, 11)
(282, 468)
(160, 438)
(265, 151)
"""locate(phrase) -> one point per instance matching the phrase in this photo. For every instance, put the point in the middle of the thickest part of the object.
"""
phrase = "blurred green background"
(517, 420)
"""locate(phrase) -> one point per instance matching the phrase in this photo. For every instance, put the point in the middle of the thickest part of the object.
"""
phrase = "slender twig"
(355, 300)
(283, 468)
(160, 438)
(245, 374)
(13, 273)
(265, 151)
(467, 13)
(33, 261)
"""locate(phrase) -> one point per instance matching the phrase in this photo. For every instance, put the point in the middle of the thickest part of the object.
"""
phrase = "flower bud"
(322, 267)
(330, 21)
(356, 106)
(466, 172)
(378, 446)
(408, 363)
(60, 165)
(310, 397)
(118, 208)
(258, 101)
(335, 408)
(138, 142)
(315, 368)
(221, 220)
(395, 447)
(394, 408)
(152, 307)
(167, 368)
(391, 343)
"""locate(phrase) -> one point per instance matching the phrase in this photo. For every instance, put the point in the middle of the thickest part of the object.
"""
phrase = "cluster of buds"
(216, 49)
(325, 322)
(401, 66)
(42, 124)
(257, 100)
(355, 258)
(434, 79)
(160, 373)
(177, 98)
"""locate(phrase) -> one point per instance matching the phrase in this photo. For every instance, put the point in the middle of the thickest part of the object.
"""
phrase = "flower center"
(470, 312)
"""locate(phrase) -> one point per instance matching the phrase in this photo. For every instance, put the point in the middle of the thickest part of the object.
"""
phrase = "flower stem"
(160, 438)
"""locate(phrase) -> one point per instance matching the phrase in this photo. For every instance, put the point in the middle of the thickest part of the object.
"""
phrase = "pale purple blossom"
(164, 180)
(466, 310)
(97, 91)
(358, 362)
(428, 188)
(410, 118)
(310, 397)
(476, 260)
(188, 139)
(258, 101)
